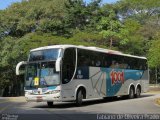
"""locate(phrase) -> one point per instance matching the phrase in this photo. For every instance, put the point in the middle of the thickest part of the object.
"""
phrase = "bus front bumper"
(43, 97)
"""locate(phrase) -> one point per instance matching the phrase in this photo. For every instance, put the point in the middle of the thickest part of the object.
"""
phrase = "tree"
(34, 15)
(115, 29)
(153, 54)
(129, 26)
(154, 59)
(140, 10)
(109, 26)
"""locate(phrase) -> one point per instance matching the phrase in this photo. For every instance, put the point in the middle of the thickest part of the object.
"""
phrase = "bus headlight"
(28, 93)
(54, 91)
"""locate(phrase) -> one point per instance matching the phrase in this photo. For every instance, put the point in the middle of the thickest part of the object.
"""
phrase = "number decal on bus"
(117, 77)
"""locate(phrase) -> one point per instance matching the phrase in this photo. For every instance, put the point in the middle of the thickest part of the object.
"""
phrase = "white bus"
(73, 73)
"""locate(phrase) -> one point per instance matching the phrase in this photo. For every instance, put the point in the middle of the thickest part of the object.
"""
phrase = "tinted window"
(49, 54)
(98, 59)
(90, 58)
(124, 62)
(83, 58)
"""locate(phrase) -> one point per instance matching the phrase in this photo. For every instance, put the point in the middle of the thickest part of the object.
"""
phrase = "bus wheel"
(79, 98)
(50, 104)
(131, 93)
(138, 92)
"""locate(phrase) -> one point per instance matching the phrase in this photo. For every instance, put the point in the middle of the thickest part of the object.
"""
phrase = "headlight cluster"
(54, 91)
(29, 93)
(49, 92)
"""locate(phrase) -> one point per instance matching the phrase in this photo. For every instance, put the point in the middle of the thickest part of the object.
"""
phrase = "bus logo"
(117, 77)
(80, 76)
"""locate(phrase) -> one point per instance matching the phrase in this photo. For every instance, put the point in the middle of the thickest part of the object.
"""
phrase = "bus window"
(113, 64)
(83, 58)
(98, 63)
(107, 61)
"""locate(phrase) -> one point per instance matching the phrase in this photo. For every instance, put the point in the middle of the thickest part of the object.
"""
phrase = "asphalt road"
(18, 106)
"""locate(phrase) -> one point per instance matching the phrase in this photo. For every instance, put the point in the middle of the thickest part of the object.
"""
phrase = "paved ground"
(144, 105)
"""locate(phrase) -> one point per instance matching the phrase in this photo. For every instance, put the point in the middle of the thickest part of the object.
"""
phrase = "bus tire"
(79, 98)
(131, 92)
(138, 92)
(50, 104)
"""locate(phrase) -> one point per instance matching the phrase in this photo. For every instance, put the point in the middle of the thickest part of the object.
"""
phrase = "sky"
(5, 3)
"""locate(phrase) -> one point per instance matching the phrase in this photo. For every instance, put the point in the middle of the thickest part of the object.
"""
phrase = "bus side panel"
(105, 82)
(114, 82)
(121, 85)
(145, 81)
(97, 84)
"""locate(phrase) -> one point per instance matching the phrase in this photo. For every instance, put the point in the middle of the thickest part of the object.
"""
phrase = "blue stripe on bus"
(52, 87)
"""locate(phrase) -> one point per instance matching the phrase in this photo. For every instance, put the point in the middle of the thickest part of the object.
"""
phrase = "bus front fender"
(79, 86)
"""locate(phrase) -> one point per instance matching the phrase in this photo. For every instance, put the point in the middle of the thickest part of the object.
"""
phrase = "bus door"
(68, 71)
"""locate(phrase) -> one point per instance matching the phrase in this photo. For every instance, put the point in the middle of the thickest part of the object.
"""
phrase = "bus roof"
(88, 48)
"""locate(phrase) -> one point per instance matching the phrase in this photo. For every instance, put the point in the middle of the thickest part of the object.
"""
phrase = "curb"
(157, 101)
(153, 92)
(13, 99)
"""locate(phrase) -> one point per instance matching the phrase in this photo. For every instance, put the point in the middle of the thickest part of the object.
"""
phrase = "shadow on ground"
(90, 102)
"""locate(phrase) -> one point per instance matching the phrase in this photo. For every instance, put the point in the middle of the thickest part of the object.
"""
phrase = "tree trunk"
(111, 41)
(156, 75)
(1, 92)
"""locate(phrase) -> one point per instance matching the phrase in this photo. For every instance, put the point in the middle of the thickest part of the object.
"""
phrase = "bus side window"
(98, 59)
(117, 65)
(107, 61)
(83, 58)
(98, 63)
(92, 63)
(105, 64)
(113, 64)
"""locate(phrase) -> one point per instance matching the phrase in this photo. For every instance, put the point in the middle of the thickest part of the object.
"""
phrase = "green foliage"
(82, 16)
(153, 54)
(131, 40)
(34, 15)
(109, 26)
(131, 26)
(8, 61)
(140, 10)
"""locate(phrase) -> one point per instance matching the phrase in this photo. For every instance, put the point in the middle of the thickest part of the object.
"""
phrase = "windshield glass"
(42, 74)
(48, 54)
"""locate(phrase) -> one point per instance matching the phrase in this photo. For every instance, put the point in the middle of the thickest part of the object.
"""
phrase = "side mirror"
(19, 65)
(57, 65)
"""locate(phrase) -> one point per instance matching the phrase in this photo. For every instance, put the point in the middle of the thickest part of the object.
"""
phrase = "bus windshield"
(48, 54)
(44, 72)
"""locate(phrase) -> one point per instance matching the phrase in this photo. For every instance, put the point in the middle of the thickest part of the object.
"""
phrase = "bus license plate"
(39, 99)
